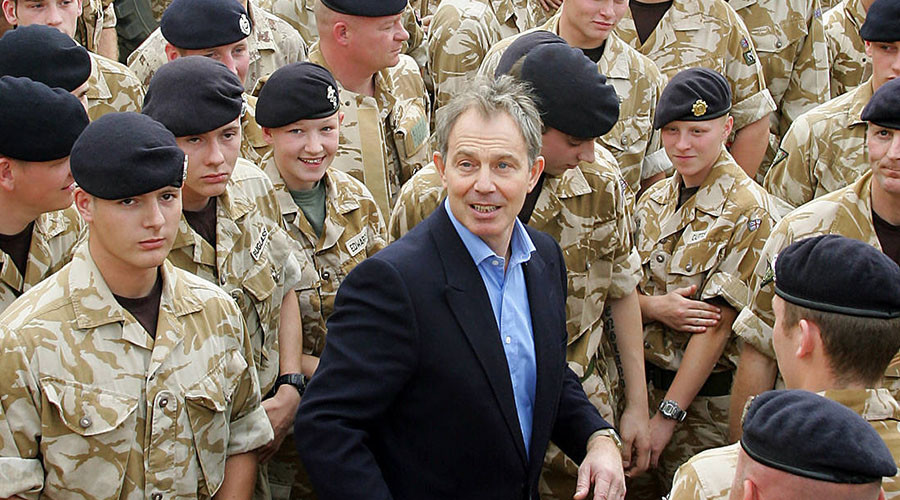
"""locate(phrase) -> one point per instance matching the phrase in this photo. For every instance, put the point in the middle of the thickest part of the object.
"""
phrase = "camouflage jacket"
(823, 151)
(253, 260)
(96, 15)
(850, 66)
(790, 42)
(710, 34)
(460, 35)
(253, 144)
(712, 241)
(638, 83)
(273, 44)
(53, 241)
(708, 475)
(384, 139)
(353, 231)
(93, 407)
(112, 88)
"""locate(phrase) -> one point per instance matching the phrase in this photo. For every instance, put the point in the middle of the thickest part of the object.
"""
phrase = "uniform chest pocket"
(691, 264)
(589, 263)
(87, 433)
(629, 135)
(410, 121)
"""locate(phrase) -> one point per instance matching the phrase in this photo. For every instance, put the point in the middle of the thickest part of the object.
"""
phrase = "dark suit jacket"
(412, 398)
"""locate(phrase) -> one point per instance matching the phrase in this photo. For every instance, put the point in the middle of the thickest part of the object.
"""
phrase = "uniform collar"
(342, 202)
(507, 9)
(860, 96)
(871, 404)
(856, 205)
(713, 192)
(384, 83)
(855, 13)
(612, 63)
(230, 206)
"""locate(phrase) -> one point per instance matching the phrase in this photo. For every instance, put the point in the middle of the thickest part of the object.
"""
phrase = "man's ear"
(750, 492)
(7, 174)
(267, 135)
(439, 165)
(171, 52)
(84, 205)
(9, 12)
(341, 33)
(535, 172)
(810, 339)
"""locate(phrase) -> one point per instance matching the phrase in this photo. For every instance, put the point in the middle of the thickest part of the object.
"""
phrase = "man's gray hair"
(489, 97)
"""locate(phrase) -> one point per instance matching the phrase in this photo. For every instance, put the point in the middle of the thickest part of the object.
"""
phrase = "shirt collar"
(521, 246)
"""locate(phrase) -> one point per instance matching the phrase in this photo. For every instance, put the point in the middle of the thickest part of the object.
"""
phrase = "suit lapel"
(468, 300)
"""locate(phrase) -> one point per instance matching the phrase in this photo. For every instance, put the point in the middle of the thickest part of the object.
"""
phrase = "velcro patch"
(749, 58)
(357, 243)
(260, 244)
(419, 133)
(754, 224)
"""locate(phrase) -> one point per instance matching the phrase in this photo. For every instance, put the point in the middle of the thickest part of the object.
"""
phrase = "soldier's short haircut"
(859, 349)
(490, 97)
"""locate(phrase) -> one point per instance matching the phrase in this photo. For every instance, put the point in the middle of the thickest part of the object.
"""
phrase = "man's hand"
(281, 410)
(682, 314)
(550, 5)
(634, 428)
(661, 429)
(602, 468)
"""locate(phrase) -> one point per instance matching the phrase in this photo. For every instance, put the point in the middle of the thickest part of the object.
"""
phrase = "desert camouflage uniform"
(460, 35)
(53, 241)
(823, 151)
(253, 260)
(273, 43)
(253, 144)
(93, 407)
(112, 88)
(588, 211)
(847, 212)
(713, 241)
(638, 83)
(709, 474)
(709, 34)
(850, 66)
(384, 139)
(96, 15)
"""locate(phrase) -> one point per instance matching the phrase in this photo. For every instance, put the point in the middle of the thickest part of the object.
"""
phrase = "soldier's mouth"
(485, 209)
(313, 162)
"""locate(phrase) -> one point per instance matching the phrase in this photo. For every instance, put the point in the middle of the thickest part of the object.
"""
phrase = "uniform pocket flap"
(87, 410)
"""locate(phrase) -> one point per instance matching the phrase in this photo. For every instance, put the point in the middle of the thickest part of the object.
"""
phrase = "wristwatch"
(671, 410)
(610, 433)
(297, 380)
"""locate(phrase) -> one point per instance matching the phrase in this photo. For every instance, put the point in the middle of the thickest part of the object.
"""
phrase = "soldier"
(122, 376)
(583, 203)
(263, 44)
(825, 149)
(39, 228)
(112, 87)
(846, 52)
(232, 233)
(637, 81)
(384, 137)
(837, 325)
(699, 237)
(708, 33)
(866, 210)
(462, 32)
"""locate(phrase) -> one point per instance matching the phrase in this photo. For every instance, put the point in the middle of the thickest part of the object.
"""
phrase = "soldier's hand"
(602, 469)
(661, 430)
(682, 314)
(281, 410)
(634, 428)
(550, 5)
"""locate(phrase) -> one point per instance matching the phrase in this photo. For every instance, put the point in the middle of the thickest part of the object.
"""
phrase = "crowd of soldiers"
(177, 225)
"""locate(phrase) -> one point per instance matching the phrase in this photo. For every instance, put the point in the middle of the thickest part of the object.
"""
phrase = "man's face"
(236, 56)
(377, 41)
(884, 157)
(885, 58)
(487, 175)
(132, 233)
(60, 14)
(42, 186)
(694, 147)
(562, 152)
(211, 159)
(304, 149)
(591, 21)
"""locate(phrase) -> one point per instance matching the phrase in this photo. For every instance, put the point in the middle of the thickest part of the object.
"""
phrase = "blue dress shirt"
(509, 301)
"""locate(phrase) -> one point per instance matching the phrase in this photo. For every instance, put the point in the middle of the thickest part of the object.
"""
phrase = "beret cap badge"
(699, 107)
(245, 24)
(332, 96)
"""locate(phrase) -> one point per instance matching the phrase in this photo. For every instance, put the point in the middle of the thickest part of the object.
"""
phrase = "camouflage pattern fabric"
(253, 260)
(253, 144)
(273, 43)
(850, 66)
(460, 35)
(709, 34)
(823, 151)
(638, 83)
(96, 15)
(384, 138)
(53, 241)
(93, 407)
(709, 474)
(112, 88)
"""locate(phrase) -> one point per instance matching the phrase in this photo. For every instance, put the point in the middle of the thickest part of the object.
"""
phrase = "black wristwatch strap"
(297, 380)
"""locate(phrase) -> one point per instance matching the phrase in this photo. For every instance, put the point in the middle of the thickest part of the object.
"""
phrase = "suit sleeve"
(370, 355)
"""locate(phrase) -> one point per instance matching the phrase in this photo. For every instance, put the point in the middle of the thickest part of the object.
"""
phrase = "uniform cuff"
(752, 109)
(729, 287)
(755, 332)
(655, 163)
(250, 432)
(23, 477)
(625, 277)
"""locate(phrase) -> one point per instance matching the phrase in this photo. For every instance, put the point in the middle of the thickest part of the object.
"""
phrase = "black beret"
(884, 106)
(201, 24)
(806, 435)
(841, 275)
(193, 95)
(572, 95)
(366, 8)
(126, 154)
(522, 45)
(882, 22)
(298, 91)
(45, 55)
(38, 123)
(695, 94)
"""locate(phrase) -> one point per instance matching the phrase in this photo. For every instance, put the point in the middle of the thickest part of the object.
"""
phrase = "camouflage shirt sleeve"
(686, 484)
(626, 272)
(790, 178)
(419, 196)
(752, 100)
(809, 83)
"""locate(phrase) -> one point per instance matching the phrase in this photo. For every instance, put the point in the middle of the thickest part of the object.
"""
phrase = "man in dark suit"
(444, 374)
